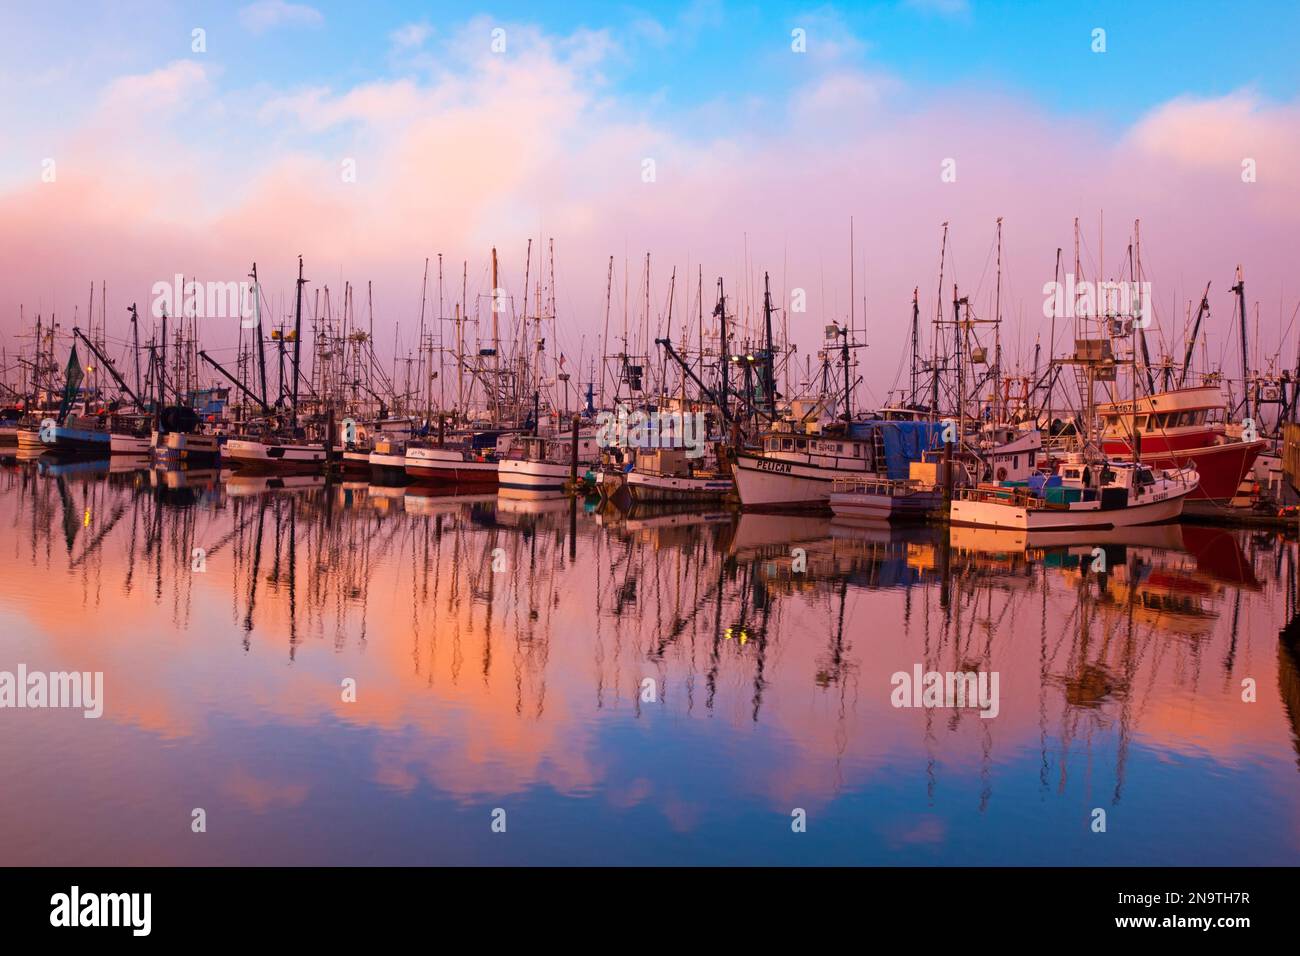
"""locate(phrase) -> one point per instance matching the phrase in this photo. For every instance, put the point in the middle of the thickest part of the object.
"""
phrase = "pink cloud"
(499, 148)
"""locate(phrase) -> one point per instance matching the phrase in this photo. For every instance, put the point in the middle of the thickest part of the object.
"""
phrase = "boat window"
(787, 444)
(801, 444)
(1015, 461)
(857, 450)
(1140, 422)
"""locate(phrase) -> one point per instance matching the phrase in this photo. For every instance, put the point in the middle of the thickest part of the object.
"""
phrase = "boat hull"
(1008, 514)
(773, 484)
(120, 444)
(1221, 468)
(186, 448)
(522, 475)
(649, 487)
(81, 442)
(29, 439)
(388, 467)
(883, 506)
(274, 457)
(449, 467)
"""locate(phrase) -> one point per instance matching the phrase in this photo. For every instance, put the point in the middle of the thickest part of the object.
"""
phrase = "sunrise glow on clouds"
(170, 160)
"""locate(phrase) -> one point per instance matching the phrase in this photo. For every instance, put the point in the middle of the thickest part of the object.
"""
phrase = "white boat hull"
(523, 475)
(185, 448)
(867, 506)
(650, 487)
(129, 444)
(256, 454)
(449, 465)
(764, 482)
(999, 514)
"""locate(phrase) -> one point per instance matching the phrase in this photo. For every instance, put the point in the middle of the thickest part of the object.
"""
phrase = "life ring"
(1002, 474)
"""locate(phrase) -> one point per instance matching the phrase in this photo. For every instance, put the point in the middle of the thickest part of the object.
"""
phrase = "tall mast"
(496, 345)
(997, 335)
(724, 358)
(1240, 289)
(916, 322)
(297, 340)
(261, 343)
(135, 348)
(769, 382)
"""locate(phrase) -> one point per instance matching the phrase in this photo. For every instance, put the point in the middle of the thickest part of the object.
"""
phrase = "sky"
(144, 139)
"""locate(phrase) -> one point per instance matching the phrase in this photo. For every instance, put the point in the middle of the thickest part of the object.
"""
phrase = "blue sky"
(173, 161)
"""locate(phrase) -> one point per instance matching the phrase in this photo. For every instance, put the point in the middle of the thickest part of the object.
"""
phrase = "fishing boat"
(669, 474)
(81, 436)
(464, 460)
(546, 463)
(1178, 429)
(177, 439)
(877, 499)
(274, 453)
(1082, 495)
(797, 467)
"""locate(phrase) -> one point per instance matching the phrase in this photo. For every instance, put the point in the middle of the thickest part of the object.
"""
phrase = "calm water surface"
(524, 688)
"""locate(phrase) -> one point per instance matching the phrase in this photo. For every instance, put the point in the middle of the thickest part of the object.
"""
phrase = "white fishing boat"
(670, 474)
(650, 486)
(797, 470)
(877, 499)
(1082, 495)
(546, 463)
(179, 440)
(274, 455)
(463, 460)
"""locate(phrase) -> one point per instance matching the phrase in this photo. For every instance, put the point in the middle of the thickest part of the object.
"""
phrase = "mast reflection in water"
(628, 688)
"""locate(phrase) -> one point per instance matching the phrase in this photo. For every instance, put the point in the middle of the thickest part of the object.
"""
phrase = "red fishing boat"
(1178, 429)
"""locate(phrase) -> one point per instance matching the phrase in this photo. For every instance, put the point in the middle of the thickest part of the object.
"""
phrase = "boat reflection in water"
(346, 673)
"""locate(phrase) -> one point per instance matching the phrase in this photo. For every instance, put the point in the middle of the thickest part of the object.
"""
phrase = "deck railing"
(891, 487)
(1017, 495)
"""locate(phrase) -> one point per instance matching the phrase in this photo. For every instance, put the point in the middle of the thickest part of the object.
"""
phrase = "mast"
(769, 381)
(135, 348)
(261, 343)
(724, 358)
(496, 345)
(916, 323)
(1240, 289)
(297, 341)
(997, 336)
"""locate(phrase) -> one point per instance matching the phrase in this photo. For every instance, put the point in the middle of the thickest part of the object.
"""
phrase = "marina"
(482, 681)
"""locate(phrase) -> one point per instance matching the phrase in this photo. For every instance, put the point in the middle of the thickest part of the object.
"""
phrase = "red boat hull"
(1221, 467)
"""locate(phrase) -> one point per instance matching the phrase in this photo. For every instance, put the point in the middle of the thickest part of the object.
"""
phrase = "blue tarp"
(905, 442)
(1038, 481)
